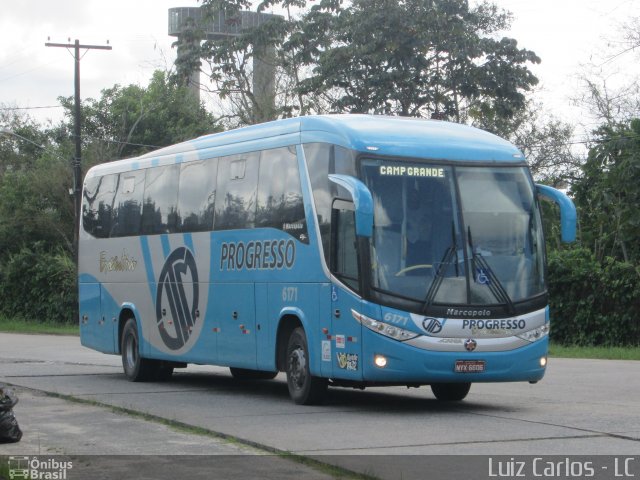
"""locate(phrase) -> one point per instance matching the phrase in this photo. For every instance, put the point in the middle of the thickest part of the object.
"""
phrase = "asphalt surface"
(581, 407)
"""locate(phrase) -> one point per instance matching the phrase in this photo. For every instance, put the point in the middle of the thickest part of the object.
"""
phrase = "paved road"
(582, 407)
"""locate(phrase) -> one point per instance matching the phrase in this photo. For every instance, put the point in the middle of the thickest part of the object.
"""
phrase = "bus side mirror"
(568, 215)
(362, 201)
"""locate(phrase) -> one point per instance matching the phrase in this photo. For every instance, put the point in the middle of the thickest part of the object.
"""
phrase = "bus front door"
(345, 335)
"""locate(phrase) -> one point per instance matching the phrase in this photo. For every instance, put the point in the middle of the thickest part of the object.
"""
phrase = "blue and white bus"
(344, 250)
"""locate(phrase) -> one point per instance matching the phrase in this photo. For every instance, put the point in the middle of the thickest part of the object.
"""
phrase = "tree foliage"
(415, 58)
(593, 302)
(131, 120)
(608, 196)
(37, 271)
(435, 58)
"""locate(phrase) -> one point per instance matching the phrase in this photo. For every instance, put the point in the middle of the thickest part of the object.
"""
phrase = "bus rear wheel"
(450, 392)
(304, 388)
(136, 368)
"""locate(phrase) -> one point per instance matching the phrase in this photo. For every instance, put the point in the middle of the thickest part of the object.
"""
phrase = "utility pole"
(77, 171)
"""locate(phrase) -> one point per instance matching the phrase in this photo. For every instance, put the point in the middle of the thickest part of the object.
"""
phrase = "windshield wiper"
(442, 268)
(492, 282)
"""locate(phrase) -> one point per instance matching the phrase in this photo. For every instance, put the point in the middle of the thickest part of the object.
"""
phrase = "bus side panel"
(96, 328)
(234, 313)
(265, 335)
(89, 294)
(110, 315)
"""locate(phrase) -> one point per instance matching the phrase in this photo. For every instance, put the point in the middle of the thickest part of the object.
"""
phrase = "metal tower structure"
(221, 27)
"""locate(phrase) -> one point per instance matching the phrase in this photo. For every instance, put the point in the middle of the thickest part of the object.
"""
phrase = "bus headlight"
(380, 361)
(535, 334)
(383, 328)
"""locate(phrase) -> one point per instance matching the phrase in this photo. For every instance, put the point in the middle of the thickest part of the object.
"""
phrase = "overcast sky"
(566, 34)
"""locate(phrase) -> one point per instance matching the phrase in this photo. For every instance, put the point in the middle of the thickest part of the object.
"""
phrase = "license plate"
(469, 366)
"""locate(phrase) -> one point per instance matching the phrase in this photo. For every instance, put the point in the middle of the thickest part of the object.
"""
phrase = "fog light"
(380, 361)
(543, 362)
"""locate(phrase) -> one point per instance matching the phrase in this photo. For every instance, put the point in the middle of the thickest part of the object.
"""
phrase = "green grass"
(13, 325)
(604, 353)
(4, 467)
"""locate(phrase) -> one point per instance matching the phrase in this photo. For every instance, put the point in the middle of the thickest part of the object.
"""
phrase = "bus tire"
(136, 368)
(247, 374)
(450, 392)
(304, 388)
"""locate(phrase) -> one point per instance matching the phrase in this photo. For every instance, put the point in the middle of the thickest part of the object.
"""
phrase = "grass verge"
(14, 325)
(603, 353)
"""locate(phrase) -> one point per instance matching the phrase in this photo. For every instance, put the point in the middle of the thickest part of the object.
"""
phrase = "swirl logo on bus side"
(178, 289)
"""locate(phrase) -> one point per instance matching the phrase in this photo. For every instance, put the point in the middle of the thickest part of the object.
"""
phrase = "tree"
(546, 141)
(608, 197)
(22, 141)
(230, 60)
(35, 205)
(432, 58)
(132, 120)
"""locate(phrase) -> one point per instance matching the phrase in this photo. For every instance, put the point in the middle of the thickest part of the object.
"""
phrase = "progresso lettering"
(258, 255)
(506, 324)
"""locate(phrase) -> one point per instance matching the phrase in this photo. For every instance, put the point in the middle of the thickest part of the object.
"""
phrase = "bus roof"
(375, 134)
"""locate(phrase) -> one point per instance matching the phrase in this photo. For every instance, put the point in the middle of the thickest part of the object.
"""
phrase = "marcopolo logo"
(432, 325)
(177, 298)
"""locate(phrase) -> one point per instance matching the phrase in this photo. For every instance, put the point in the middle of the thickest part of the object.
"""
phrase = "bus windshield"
(454, 235)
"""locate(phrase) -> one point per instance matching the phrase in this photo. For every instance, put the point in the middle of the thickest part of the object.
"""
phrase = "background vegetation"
(436, 59)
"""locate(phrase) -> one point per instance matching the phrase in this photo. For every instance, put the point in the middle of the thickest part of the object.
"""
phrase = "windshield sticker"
(481, 277)
(404, 171)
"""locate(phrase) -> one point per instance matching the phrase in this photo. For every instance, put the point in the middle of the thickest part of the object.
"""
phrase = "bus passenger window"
(97, 205)
(237, 188)
(159, 211)
(196, 195)
(280, 203)
(127, 206)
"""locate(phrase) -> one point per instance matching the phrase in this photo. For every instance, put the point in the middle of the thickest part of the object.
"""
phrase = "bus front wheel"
(304, 388)
(136, 368)
(450, 392)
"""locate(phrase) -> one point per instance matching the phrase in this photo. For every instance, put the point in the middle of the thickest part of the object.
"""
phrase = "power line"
(31, 108)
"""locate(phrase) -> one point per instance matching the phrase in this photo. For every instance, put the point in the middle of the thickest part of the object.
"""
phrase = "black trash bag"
(9, 430)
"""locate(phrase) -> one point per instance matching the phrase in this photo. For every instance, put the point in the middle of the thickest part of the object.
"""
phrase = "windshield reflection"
(421, 246)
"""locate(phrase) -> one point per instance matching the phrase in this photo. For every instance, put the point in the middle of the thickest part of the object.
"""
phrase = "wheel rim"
(297, 368)
(131, 352)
